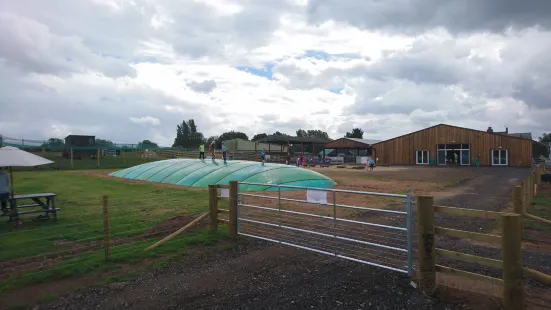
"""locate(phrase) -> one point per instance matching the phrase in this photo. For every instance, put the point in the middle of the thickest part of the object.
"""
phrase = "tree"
(545, 137)
(229, 136)
(210, 140)
(187, 135)
(259, 136)
(356, 133)
(313, 134)
(147, 144)
(104, 143)
(53, 143)
(301, 133)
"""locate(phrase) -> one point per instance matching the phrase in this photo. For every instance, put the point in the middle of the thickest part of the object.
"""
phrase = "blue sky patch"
(266, 71)
(327, 56)
(336, 90)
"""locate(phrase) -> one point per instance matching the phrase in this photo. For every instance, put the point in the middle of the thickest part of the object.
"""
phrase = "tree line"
(189, 136)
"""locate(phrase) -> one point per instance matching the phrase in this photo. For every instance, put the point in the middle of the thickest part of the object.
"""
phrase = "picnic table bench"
(46, 202)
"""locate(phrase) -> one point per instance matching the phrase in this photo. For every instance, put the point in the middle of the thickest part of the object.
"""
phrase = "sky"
(129, 70)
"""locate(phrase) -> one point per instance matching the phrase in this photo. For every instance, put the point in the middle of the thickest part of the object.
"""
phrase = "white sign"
(224, 192)
(362, 159)
(316, 196)
(336, 160)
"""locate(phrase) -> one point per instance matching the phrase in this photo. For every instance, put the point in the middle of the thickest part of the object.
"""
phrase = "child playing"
(211, 149)
(263, 156)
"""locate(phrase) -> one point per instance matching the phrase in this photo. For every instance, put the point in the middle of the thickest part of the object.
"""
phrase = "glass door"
(441, 157)
(500, 158)
(465, 157)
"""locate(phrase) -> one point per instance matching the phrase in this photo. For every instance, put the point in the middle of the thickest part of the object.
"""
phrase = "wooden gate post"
(517, 200)
(106, 228)
(213, 206)
(519, 205)
(232, 229)
(513, 290)
(72, 166)
(427, 253)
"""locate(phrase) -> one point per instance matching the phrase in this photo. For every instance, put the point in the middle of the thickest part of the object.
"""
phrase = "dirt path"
(256, 275)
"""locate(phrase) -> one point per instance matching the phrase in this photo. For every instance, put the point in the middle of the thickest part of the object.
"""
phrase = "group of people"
(212, 151)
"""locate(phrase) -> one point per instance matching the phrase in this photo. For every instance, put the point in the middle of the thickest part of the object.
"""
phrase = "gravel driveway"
(257, 275)
(260, 275)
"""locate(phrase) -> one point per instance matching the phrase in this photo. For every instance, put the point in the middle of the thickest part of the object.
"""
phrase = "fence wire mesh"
(37, 249)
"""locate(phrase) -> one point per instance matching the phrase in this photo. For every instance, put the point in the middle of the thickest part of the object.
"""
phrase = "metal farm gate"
(377, 236)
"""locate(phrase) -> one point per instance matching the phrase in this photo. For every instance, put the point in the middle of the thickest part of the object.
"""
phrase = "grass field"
(39, 250)
(129, 159)
(537, 230)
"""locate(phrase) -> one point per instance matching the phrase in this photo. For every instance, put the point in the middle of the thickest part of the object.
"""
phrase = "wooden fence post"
(519, 205)
(72, 166)
(97, 156)
(233, 209)
(517, 200)
(213, 204)
(106, 228)
(427, 253)
(513, 290)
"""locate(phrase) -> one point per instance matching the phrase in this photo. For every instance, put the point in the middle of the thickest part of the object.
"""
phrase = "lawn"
(107, 162)
(538, 230)
(73, 245)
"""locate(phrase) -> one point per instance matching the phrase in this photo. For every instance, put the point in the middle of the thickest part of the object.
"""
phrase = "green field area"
(74, 245)
(541, 208)
(129, 159)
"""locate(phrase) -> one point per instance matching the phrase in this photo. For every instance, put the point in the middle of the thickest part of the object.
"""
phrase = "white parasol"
(13, 157)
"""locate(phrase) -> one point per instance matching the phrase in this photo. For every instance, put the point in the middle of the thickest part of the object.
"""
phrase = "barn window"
(422, 157)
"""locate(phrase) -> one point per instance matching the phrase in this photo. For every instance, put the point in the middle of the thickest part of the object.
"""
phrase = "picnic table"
(46, 202)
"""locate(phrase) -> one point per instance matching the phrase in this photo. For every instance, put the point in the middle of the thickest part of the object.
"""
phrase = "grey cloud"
(202, 87)
(417, 16)
(88, 109)
(30, 46)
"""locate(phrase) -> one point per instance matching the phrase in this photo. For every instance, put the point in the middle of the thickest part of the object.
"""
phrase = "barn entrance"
(454, 154)
(380, 237)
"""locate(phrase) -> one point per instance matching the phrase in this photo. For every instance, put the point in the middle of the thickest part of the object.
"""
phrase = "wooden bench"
(47, 207)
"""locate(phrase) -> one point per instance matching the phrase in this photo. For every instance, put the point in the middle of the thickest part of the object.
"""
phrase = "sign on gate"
(383, 238)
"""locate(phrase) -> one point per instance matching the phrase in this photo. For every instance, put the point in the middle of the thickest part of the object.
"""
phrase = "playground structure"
(201, 173)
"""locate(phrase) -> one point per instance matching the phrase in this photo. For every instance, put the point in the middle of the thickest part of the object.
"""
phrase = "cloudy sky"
(128, 70)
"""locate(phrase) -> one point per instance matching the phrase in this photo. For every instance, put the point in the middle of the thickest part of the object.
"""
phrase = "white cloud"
(146, 121)
(116, 68)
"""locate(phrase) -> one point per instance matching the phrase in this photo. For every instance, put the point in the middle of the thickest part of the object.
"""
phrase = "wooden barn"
(451, 145)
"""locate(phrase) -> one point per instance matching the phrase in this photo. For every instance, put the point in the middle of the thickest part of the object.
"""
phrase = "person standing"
(371, 164)
(4, 190)
(224, 152)
(211, 150)
(202, 151)
(263, 156)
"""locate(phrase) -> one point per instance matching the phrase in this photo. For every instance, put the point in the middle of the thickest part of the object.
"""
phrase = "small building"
(78, 140)
(451, 145)
(349, 148)
(79, 147)
(242, 145)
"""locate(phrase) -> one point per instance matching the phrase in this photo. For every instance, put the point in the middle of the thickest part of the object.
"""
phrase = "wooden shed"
(451, 145)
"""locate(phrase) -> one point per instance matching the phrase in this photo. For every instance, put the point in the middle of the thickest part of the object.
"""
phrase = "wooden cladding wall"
(402, 150)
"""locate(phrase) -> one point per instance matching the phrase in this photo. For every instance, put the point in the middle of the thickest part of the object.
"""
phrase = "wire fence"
(92, 233)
